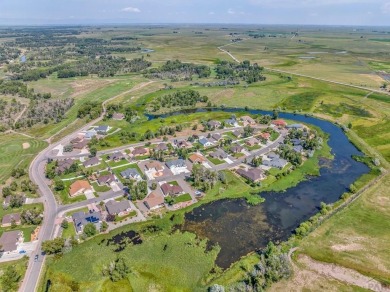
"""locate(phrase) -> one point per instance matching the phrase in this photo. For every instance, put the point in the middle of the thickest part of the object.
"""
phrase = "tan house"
(197, 158)
(79, 187)
(154, 201)
(247, 120)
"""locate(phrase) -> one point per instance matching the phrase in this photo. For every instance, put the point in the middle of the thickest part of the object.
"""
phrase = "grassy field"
(12, 154)
(360, 242)
(20, 267)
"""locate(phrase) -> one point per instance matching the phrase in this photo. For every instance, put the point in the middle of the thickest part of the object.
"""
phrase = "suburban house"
(106, 179)
(176, 163)
(139, 151)
(197, 158)
(216, 137)
(238, 133)
(154, 165)
(116, 156)
(118, 116)
(63, 165)
(253, 174)
(183, 144)
(154, 201)
(275, 161)
(231, 122)
(11, 218)
(236, 148)
(79, 187)
(121, 208)
(102, 130)
(213, 124)
(131, 173)
(279, 123)
(162, 147)
(247, 120)
(298, 148)
(76, 140)
(81, 219)
(171, 190)
(252, 142)
(81, 145)
(90, 134)
(296, 142)
(10, 240)
(91, 162)
(205, 142)
(265, 136)
(219, 154)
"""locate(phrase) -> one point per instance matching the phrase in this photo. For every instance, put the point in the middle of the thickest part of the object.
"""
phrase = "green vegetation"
(301, 102)
(12, 273)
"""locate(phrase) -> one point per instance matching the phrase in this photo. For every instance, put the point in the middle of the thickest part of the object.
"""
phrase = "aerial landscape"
(195, 147)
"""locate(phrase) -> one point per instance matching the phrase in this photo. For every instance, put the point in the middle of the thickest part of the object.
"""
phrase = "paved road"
(51, 209)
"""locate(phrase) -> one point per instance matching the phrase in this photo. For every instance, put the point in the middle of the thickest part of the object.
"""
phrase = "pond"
(240, 229)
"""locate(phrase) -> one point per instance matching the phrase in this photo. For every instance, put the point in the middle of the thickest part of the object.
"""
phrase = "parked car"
(36, 258)
(22, 252)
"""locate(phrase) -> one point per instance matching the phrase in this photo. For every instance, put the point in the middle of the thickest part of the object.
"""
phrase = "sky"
(321, 12)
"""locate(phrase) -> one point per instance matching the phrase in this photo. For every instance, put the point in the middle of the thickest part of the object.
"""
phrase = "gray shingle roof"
(176, 163)
(113, 207)
(130, 173)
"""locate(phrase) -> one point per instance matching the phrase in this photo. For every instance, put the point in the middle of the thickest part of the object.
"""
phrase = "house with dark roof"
(102, 130)
(10, 219)
(106, 179)
(231, 122)
(238, 133)
(131, 173)
(10, 240)
(219, 154)
(298, 148)
(171, 190)
(120, 208)
(139, 151)
(162, 147)
(236, 148)
(205, 142)
(63, 165)
(116, 156)
(183, 144)
(81, 145)
(216, 137)
(81, 219)
(154, 201)
(296, 142)
(176, 163)
(76, 140)
(252, 174)
(91, 162)
(295, 126)
(275, 161)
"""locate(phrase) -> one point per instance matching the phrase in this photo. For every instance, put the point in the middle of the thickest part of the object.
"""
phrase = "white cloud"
(131, 10)
(386, 8)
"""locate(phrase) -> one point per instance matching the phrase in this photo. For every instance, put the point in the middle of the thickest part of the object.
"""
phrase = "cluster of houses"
(82, 140)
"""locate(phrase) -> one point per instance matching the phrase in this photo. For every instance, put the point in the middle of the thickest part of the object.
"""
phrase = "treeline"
(244, 71)
(90, 110)
(184, 98)
(176, 71)
(20, 89)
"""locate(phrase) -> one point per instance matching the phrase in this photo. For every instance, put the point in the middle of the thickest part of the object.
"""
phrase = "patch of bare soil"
(347, 247)
(342, 274)
(83, 86)
(26, 145)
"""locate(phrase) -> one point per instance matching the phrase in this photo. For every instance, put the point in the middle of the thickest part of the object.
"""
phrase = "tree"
(92, 151)
(31, 216)
(90, 229)
(16, 201)
(65, 224)
(10, 279)
(104, 226)
(54, 246)
(117, 270)
(59, 185)
(275, 114)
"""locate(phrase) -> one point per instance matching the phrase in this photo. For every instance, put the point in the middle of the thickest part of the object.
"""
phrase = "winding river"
(240, 229)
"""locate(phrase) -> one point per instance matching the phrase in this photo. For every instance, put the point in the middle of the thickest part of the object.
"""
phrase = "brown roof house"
(252, 142)
(79, 187)
(197, 158)
(236, 148)
(248, 120)
(106, 179)
(154, 165)
(91, 162)
(154, 201)
(253, 174)
(11, 218)
(10, 240)
(63, 165)
(171, 190)
(121, 208)
(139, 151)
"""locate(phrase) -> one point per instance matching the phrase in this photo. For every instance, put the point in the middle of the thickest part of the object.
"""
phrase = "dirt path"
(342, 274)
(20, 115)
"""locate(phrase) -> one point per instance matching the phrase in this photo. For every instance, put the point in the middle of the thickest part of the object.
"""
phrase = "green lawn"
(124, 218)
(19, 265)
(215, 161)
(182, 198)
(12, 154)
(69, 232)
(63, 196)
(100, 189)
